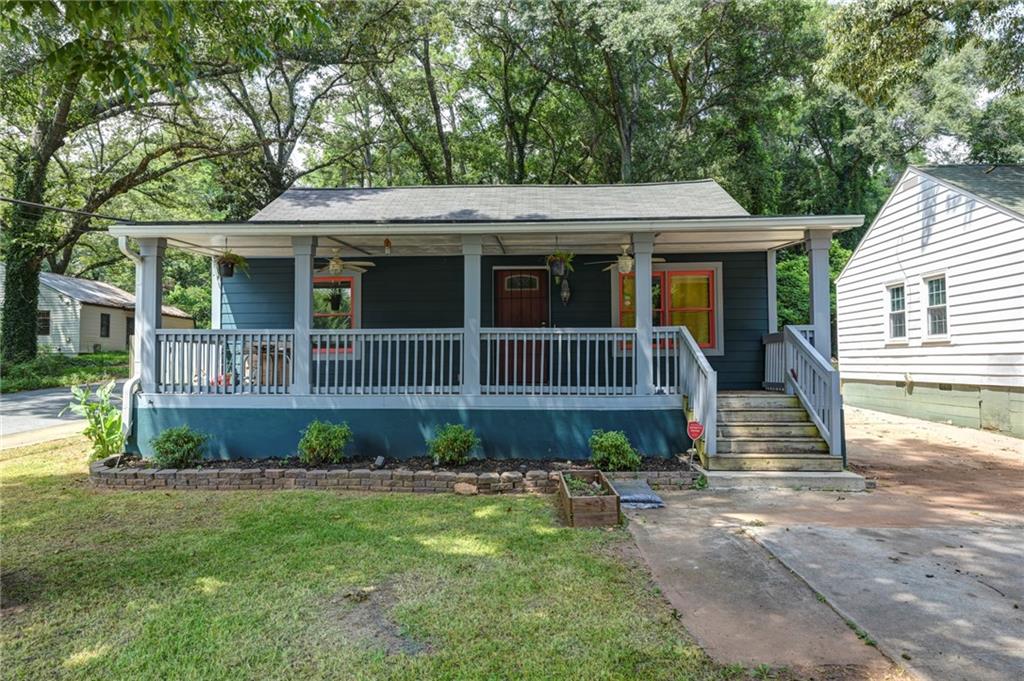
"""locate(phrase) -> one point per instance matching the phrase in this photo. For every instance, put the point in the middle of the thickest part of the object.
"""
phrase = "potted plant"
(560, 264)
(587, 499)
(228, 261)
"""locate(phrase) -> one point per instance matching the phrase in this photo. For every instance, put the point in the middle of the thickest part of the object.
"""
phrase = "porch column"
(817, 262)
(148, 302)
(472, 249)
(216, 295)
(643, 248)
(304, 249)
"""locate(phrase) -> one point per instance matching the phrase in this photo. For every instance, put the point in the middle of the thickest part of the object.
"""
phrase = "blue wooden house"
(400, 309)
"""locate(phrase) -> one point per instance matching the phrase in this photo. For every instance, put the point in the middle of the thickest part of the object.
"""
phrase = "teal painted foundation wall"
(970, 406)
(401, 433)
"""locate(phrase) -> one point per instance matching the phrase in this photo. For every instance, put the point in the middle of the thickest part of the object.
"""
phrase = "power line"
(30, 204)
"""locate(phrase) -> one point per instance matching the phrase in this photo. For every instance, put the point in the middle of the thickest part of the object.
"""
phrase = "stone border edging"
(101, 474)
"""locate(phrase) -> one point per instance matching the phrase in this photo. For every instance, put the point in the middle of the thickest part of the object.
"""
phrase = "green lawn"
(50, 370)
(304, 584)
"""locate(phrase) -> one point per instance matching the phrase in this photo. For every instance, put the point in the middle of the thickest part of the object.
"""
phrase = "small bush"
(611, 451)
(324, 442)
(179, 447)
(452, 444)
(102, 419)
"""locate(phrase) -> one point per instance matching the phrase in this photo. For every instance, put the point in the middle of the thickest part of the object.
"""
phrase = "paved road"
(930, 565)
(38, 409)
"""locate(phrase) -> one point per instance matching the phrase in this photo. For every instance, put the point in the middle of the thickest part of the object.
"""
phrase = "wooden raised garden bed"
(596, 508)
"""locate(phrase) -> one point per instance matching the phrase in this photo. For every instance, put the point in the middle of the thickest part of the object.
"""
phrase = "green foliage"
(179, 447)
(611, 451)
(323, 442)
(452, 443)
(195, 300)
(578, 487)
(53, 370)
(102, 419)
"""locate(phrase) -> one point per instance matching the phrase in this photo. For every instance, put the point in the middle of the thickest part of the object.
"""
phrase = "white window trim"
(887, 312)
(926, 328)
(716, 267)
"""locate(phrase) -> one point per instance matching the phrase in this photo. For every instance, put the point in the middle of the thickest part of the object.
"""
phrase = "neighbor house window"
(43, 323)
(680, 297)
(104, 325)
(936, 315)
(334, 302)
(897, 313)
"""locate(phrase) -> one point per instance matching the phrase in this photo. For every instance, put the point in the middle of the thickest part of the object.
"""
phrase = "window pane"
(332, 303)
(937, 321)
(104, 325)
(689, 290)
(897, 325)
(699, 324)
(628, 319)
(43, 323)
(937, 291)
(896, 299)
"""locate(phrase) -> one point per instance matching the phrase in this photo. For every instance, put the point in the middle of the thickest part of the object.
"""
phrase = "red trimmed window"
(334, 302)
(680, 298)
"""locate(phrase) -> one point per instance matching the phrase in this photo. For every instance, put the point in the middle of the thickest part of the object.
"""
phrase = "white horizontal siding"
(927, 228)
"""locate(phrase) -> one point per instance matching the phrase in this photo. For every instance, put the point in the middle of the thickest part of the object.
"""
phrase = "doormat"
(637, 494)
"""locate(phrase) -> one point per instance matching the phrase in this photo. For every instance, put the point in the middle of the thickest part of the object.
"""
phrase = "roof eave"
(835, 223)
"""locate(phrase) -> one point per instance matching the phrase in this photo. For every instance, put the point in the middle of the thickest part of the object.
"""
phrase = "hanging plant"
(228, 261)
(335, 299)
(560, 264)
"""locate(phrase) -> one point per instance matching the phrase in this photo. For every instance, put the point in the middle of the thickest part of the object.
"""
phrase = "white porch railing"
(774, 369)
(386, 362)
(557, 361)
(221, 362)
(815, 382)
(695, 379)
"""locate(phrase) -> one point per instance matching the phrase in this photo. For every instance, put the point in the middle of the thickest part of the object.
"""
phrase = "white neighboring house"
(930, 306)
(76, 316)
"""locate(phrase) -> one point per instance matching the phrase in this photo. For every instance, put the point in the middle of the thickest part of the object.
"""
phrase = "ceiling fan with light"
(336, 265)
(624, 262)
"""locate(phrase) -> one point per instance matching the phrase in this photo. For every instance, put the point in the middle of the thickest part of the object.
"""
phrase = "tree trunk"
(435, 104)
(21, 277)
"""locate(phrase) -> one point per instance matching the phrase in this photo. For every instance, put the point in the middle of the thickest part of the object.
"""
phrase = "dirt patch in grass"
(364, 616)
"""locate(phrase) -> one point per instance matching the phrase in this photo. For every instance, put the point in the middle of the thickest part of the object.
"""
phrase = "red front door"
(521, 301)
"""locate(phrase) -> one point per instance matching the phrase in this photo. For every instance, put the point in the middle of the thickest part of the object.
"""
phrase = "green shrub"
(611, 451)
(102, 419)
(324, 442)
(179, 447)
(452, 444)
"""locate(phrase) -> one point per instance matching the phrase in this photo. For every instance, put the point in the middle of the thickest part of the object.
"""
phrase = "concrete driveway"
(929, 566)
(32, 415)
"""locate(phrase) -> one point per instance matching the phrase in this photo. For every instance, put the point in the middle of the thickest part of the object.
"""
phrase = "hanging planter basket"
(227, 262)
(560, 264)
(335, 302)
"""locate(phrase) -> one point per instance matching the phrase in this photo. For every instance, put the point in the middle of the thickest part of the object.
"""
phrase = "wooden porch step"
(766, 415)
(772, 445)
(766, 400)
(757, 461)
(766, 429)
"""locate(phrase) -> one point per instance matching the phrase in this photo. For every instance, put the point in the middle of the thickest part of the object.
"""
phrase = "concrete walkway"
(740, 604)
(930, 565)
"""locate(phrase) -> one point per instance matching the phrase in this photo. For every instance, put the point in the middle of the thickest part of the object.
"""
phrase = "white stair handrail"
(700, 384)
(815, 382)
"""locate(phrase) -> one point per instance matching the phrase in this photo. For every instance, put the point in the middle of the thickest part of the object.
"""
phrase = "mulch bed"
(423, 463)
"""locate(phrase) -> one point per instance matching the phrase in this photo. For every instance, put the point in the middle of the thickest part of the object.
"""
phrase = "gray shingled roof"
(504, 203)
(98, 293)
(1000, 184)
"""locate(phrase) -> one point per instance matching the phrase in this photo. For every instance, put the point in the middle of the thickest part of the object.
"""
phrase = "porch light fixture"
(565, 292)
(387, 246)
(625, 262)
